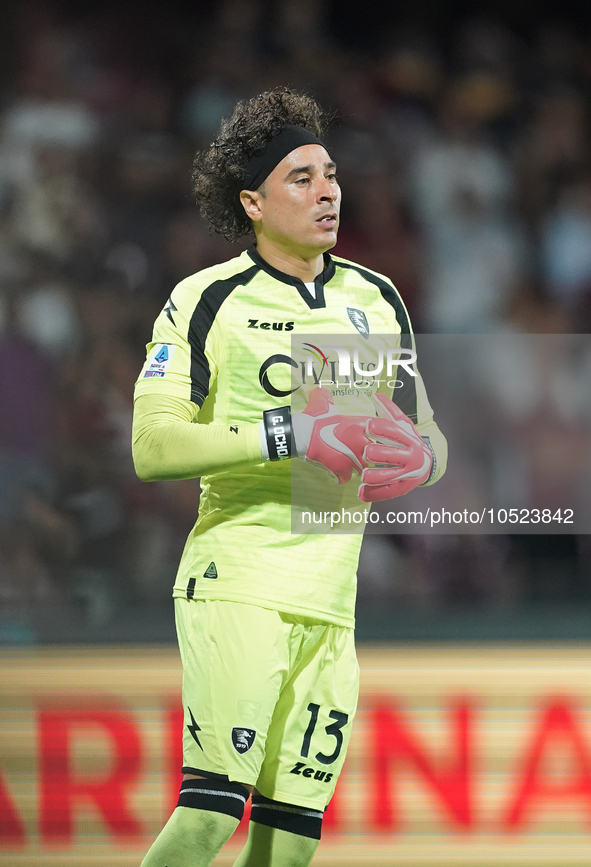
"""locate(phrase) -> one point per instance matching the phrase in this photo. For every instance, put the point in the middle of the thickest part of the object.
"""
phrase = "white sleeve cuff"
(263, 436)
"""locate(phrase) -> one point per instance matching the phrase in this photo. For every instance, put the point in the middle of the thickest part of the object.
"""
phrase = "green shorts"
(268, 698)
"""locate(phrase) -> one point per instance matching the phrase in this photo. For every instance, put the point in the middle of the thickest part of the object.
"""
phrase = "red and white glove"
(320, 434)
(327, 437)
(344, 444)
(402, 459)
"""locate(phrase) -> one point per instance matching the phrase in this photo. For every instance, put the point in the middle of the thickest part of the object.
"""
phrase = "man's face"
(297, 207)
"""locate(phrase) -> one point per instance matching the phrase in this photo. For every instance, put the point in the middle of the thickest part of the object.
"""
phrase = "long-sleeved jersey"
(221, 354)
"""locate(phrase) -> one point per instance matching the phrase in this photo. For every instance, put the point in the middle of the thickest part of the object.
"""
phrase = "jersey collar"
(320, 281)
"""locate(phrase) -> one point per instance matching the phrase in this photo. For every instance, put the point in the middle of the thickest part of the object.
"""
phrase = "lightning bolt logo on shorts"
(194, 728)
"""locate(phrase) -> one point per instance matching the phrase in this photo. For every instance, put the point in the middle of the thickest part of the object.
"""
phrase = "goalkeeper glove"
(343, 444)
(402, 458)
(320, 434)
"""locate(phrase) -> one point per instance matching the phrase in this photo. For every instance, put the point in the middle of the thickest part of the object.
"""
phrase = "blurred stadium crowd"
(464, 156)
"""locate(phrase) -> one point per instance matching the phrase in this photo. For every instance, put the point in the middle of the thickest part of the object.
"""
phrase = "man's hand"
(326, 437)
(402, 459)
(344, 444)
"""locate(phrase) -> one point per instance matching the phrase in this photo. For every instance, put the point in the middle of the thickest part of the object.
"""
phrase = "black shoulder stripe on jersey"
(202, 319)
(406, 396)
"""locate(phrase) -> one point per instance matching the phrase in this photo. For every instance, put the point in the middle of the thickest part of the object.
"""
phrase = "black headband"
(260, 166)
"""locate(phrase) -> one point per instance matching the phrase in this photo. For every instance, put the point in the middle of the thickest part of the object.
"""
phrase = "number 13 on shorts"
(306, 748)
(311, 778)
(334, 729)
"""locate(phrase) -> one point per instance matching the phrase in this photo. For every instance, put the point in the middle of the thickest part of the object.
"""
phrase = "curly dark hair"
(218, 171)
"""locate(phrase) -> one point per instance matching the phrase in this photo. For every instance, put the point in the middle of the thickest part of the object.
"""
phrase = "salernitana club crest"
(243, 739)
(359, 320)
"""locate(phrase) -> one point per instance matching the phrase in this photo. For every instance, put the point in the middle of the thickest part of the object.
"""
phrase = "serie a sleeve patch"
(159, 359)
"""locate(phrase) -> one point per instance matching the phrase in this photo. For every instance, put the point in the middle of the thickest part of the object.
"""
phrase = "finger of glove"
(386, 408)
(349, 437)
(403, 462)
(320, 406)
(385, 475)
(377, 453)
(391, 432)
(320, 402)
(377, 493)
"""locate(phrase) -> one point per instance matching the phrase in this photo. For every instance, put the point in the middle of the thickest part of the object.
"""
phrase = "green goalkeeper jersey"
(224, 341)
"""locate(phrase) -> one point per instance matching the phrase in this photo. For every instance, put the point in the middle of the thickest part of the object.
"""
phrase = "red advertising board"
(474, 755)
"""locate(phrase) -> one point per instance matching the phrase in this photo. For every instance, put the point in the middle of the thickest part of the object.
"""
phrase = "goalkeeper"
(264, 617)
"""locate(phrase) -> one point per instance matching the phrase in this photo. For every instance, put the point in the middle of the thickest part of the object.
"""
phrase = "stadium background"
(462, 138)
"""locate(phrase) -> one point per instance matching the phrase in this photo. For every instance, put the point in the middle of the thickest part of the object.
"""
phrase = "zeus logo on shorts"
(311, 772)
(243, 739)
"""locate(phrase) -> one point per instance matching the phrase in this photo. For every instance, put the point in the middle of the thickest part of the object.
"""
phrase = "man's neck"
(307, 269)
